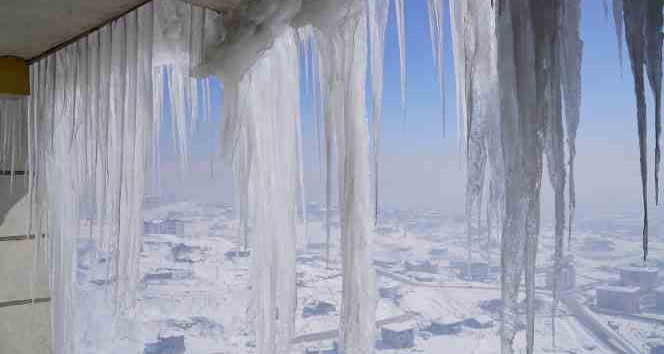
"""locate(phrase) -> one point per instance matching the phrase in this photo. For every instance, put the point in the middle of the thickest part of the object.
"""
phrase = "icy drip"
(378, 16)
(435, 11)
(521, 132)
(634, 14)
(653, 34)
(91, 127)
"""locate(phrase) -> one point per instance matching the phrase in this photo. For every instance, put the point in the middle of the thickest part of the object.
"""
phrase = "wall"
(24, 326)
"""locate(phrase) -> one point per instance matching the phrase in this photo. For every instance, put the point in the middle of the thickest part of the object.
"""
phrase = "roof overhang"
(29, 28)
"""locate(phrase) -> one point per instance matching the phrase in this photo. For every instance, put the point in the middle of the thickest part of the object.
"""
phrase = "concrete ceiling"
(31, 27)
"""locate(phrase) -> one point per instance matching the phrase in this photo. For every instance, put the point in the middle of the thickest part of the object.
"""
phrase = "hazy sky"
(420, 168)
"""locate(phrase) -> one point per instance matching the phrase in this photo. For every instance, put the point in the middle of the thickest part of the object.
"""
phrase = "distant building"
(619, 298)
(389, 292)
(151, 202)
(166, 345)
(645, 278)
(422, 267)
(658, 349)
(593, 244)
(445, 327)
(237, 254)
(167, 227)
(480, 321)
(318, 308)
(399, 335)
(326, 348)
(479, 271)
(438, 252)
(659, 299)
(567, 278)
(384, 262)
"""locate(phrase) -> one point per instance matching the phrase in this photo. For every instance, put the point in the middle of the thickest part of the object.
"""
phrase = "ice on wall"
(13, 133)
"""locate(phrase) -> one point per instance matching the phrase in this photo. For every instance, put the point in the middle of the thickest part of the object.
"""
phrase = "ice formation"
(13, 134)
(94, 126)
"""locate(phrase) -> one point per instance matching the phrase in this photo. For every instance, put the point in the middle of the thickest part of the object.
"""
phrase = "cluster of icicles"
(96, 106)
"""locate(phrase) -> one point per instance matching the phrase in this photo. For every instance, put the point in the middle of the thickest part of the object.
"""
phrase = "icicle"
(435, 10)
(635, 13)
(617, 10)
(378, 16)
(457, 11)
(522, 129)
(653, 33)
(547, 24)
(571, 57)
(401, 33)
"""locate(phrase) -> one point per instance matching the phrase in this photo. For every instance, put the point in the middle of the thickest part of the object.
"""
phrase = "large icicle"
(457, 13)
(341, 41)
(265, 136)
(571, 55)
(635, 13)
(548, 70)
(378, 16)
(522, 129)
(653, 33)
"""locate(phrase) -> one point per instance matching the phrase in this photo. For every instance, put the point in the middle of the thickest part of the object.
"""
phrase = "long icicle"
(378, 16)
(635, 13)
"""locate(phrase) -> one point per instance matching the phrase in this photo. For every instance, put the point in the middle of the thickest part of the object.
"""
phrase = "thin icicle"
(635, 14)
(617, 10)
(435, 10)
(401, 33)
(378, 16)
(653, 33)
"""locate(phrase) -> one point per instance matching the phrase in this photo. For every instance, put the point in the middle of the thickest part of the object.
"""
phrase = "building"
(479, 322)
(659, 299)
(619, 298)
(325, 348)
(166, 227)
(422, 267)
(443, 326)
(399, 335)
(645, 278)
(166, 345)
(438, 252)
(567, 280)
(479, 271)
(389, 292)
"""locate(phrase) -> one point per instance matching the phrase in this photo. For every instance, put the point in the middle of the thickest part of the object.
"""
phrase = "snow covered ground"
(196, 288)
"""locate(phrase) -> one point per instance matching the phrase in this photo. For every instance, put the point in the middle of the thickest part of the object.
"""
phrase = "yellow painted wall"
(14, 76)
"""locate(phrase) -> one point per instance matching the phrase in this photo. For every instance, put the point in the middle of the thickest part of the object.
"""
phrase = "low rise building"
(619, 298)
(443, 326)
(167, 227)
(399, 335)
(567, 279)
(646, 278)
(659, 299)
